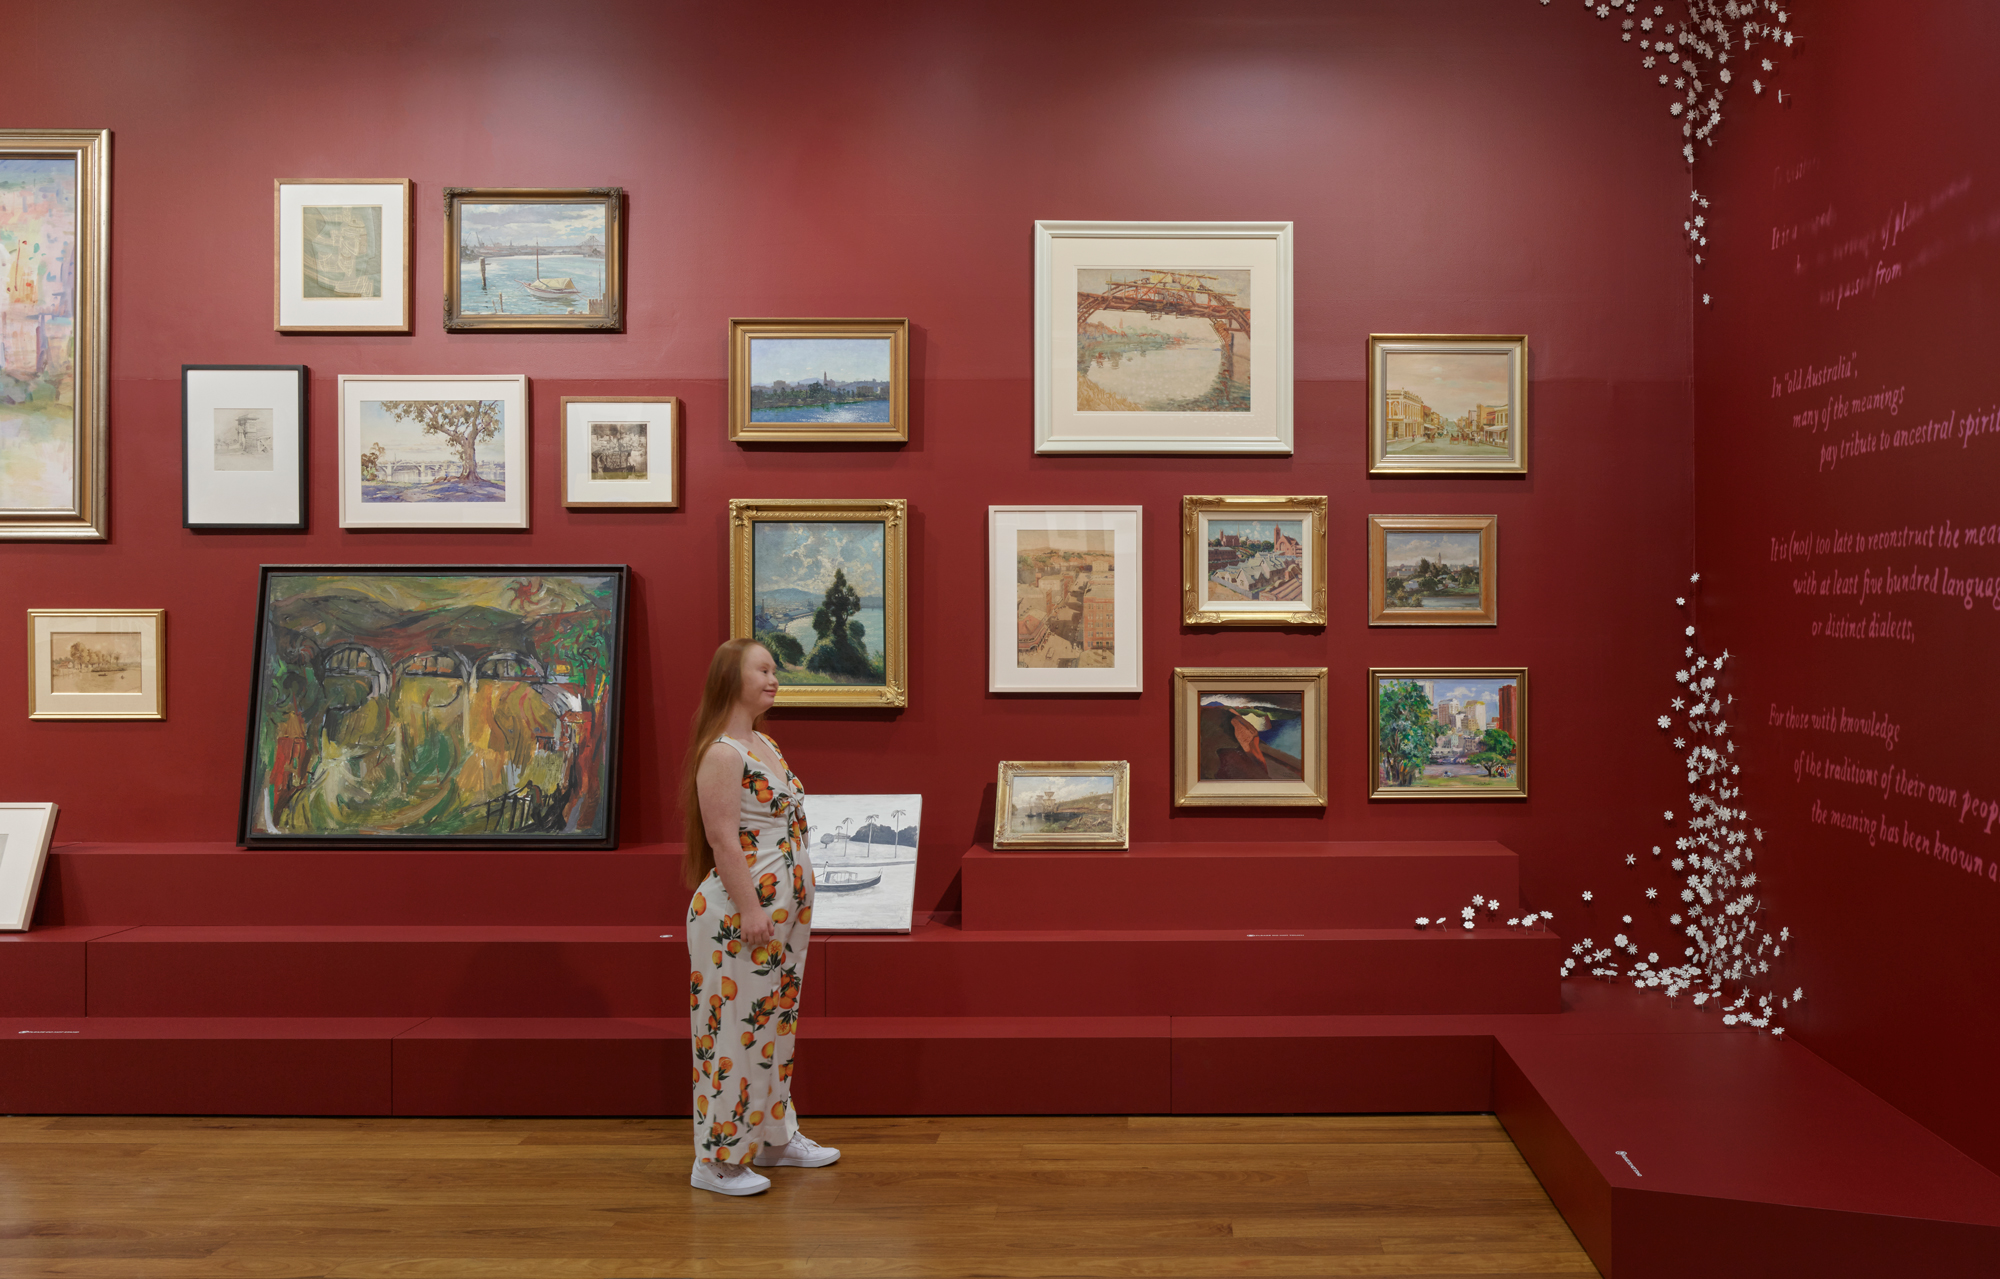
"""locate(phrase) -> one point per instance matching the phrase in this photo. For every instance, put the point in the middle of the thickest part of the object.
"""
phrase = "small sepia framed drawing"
(1064, 587)
(1442, 403)
(97, 663)
(820, 583)
(1066, 804)
(534, 259)
(244, 447)
(442, 451)
(1163, 337)
(343, 256)
(1245, 735)
(25, 832)
(829, 381)
(1253, 561)
(1448, 732)
(1433, 570)
(620, 451)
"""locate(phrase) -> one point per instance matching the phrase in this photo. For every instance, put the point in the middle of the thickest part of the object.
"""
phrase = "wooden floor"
(142, 1198)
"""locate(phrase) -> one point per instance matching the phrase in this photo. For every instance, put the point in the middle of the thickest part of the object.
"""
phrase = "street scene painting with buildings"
(1447, 404)
(38, 246)
(816, 586)
(433, 450)
(1253, 560)
(1162, 341)
(1064, 582)
(1062, 804)
(1447, 733)
(531, 259)
(820, 379)
(1431, 570)
(1251, 736)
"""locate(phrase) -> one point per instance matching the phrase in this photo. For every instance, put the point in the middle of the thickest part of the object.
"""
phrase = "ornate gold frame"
(1379, 612)
(1120, 770)
(1381, 462)
(1194, 562)
(1522, 741)
(612, 320)
(896, 430)
(893, 515)
(1190, 682)
(158, 617)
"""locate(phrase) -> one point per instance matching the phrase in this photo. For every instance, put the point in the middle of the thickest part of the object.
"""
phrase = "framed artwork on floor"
(467, 706)
(343, 256)
(1062, 804)
(443, 451)
(820, 583)
(1163, 337)
(1448, 732)
(244, 447)
(531, 258)
(97, 663)
(25, 832)
(1246, 735)
(1442, 403)
(1064, 587)
(55, 235)
(1433, 570)
(1253, 561)
(864, 861)
(620, 451)
(828, 381)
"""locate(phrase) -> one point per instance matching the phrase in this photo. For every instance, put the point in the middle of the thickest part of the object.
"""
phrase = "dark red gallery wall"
(1856, 251)
(1452, 166)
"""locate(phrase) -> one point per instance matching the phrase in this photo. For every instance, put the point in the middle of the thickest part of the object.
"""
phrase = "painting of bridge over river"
(1158, 340)
(400, 707)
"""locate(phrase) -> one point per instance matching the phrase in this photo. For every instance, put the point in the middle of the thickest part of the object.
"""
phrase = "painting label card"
(1064, 586)
(863, 850)
(1448, 733)
(96, 663)
(433, 452)
(343, 256)
(1447, 403)
(619, 452)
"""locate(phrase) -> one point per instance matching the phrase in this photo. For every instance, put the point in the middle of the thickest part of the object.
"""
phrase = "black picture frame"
(299, 450)
(336, 645)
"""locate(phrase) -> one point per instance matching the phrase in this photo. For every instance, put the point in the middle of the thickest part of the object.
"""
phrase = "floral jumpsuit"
(743, 1000)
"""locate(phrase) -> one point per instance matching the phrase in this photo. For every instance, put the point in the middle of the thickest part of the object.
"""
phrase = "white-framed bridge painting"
(1163, 337)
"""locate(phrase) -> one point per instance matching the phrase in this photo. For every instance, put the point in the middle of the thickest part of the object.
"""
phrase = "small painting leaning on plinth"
(1249, 736)
(25, 832)
(1447, 404)
(1062, 804)
(864, 861)
(1448, 733)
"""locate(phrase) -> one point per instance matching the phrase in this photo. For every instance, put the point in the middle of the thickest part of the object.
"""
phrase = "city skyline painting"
(541, 258)
(1448, 733)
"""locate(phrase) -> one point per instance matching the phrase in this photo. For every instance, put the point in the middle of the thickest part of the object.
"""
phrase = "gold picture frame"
(489, 284)
(582, 448)
(97, 663)
(1280, 581)
(1448, 538)
(876, 381)
(779, 600)
(1250, 736)
(1071, 797)
(1478, 424)
(67, 363)
(341, 259)
(1428, 760)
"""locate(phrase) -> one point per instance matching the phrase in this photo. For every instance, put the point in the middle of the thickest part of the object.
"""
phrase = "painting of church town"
(1254, 560)
(1431, 569)
(38, 248)
(1448, 733)
(1162, 341)
(1447, 403)
(1064, 614)
(433, 450)
(845, 379)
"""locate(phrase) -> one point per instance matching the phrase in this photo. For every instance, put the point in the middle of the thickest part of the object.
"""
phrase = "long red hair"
(719, 695)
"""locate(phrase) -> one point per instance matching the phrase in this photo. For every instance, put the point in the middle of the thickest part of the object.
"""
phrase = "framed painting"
(1447, 404)
(620, 451)
(471, 706)
(1163, 337)
(1253, 561)
(1064, 587)
(820, 583)
(1448, 732)
(25, 832)
(244, 447)
(444, 451)
(864, 861)
(1433, 570)
(831, 381)
(1249, 736)
(55, 238)
(1067, 804)
(526, 258)
(97, 663)
(342, 258)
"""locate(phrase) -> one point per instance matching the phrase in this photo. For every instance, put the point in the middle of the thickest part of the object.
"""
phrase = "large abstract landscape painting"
(442, 706)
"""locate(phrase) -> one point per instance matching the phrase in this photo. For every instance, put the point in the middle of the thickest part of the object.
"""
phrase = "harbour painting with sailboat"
(532, 259)
(864, 861)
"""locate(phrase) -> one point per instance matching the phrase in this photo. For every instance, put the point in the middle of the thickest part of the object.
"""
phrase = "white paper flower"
(1670, 814)
(1690, 630)
(1423, 921)
(1586, 894)
(1666, 721)
(1465, 913)
(1674, 920)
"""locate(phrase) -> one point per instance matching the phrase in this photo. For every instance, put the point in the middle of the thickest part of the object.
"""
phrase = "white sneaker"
(727, 1179)
(800, 1152)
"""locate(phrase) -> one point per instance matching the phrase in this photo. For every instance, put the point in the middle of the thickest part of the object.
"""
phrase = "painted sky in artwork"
(809, 359)
(1450, 382)
(406, 441)
(804, 555)
(1064, 788)
(529, 223)
(1405, 549)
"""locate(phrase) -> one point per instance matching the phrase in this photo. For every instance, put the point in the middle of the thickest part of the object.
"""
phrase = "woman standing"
(748, 925)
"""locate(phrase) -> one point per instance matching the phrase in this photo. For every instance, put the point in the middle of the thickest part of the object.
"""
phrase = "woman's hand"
(757, 926)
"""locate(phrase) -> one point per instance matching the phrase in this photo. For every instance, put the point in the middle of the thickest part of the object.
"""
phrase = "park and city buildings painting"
(827, 380)
(1062, 804)
(1447, 403)
(1448, 733)
(1253, 561)
(1433, 570)
(534, 258)
(1064, 599)
(863, 852)
(820, 584)
(433, 452)
(343, 256)
(1249, 736)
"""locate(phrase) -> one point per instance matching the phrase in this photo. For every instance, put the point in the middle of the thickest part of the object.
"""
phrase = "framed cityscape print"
(1062, 804)
(620, 451)
(1433, 570)
(1064, 588)
(244, 445)
(342, 259)
(442, 451)
(1448, 733)
(830, 381)
(470, 706)
(1253, 561)
(525, 258)
(864, 861)
(25, 832)
(1163, 337)
(97, 663)
(1249, 736)
(55, 237)
(820, 583)
(1447, 404)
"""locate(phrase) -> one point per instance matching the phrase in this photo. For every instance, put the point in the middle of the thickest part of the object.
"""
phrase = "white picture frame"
(25, 833)
(244, 445)
(412, 460)
(584, 421)
(1179, 402)
(864, 886)
(1033, 627)
(97, 663)
(369, 290)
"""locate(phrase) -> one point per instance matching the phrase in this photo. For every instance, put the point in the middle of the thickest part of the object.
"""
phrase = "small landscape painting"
(1173, 341)
(864, 860)
(1254, 560)
(1432, 569)
(837, 379)
(1251, 736)
(38, 265)
(618, 450)
(243, 440)
(341, 250)
(531, 259)
(433, 451)
(1040, 806)
(1449, 733)
(1448, 404)
(94, 662)
(817, 590)
(1064, 585)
